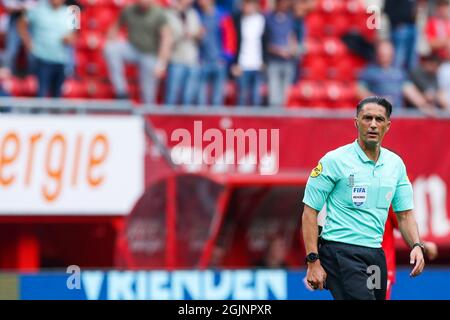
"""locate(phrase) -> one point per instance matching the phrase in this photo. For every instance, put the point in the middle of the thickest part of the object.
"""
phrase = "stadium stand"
(329, 69)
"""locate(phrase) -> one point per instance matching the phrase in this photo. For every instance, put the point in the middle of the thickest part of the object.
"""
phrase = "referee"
(358, 182)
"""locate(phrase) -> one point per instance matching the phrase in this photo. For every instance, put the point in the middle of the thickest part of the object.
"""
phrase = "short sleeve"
(403, 196)
(320, 183)
(30, 16)
(162, 19)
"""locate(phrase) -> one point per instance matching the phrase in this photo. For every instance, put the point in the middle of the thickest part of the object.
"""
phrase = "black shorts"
(354, 272)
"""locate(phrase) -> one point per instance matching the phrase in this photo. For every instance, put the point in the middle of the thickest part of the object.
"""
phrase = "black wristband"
(421, 245)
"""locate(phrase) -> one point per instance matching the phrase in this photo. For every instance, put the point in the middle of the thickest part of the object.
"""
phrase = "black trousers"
(354, 272)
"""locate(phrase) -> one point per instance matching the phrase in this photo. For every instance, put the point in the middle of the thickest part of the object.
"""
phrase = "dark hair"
(442, 3)
(377, 100)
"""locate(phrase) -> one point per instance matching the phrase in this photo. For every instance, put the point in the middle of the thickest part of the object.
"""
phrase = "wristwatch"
(421, 245)
(311, 257)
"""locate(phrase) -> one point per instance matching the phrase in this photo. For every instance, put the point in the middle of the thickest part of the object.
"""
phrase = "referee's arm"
(310, 229)
(408, 227)
(315, 275)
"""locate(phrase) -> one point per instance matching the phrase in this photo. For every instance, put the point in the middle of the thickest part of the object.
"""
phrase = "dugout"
(220, 221)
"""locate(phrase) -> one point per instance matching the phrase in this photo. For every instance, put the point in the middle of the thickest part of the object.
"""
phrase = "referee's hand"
(417, 259)
(316, 275)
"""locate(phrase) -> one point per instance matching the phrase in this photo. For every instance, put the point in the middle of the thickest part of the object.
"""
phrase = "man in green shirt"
(148, 45)
(358, 182)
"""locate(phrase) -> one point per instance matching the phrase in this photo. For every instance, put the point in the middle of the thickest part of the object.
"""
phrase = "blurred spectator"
(443, 79)
(148, 45)
(383, 79)
(423, 9)
(16, 9)
(217, 49)
(231, 6)
(282, 51)
(301, 9)
(4, 74)
(183, 73)
(424, 77)
(70, 66)
(275, 255)
(438, 29)
(402, 18)
(46, 33)
(249, 63)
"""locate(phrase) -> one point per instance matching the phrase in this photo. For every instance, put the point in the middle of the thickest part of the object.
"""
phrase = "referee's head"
(377, 100)
(373, 120)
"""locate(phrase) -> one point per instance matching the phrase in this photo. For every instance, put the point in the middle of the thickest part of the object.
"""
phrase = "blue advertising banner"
(206, 285)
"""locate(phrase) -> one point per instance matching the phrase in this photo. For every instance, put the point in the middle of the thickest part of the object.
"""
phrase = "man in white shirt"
(249, 62)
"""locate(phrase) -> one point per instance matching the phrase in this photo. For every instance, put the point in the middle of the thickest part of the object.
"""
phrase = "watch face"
(312, 256)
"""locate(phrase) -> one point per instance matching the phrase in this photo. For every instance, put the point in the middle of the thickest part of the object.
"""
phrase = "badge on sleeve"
(316, 171)
(359, 195)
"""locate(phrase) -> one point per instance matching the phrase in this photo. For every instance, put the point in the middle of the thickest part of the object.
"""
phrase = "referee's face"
(372, 123)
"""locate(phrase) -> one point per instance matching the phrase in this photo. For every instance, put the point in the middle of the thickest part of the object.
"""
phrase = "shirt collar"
(364, 157)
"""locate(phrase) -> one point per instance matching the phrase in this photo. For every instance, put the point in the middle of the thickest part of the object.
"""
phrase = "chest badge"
(388, 196)
(359, 195)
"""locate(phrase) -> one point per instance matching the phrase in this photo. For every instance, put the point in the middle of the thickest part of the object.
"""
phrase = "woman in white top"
(249, 62)
(183, 72)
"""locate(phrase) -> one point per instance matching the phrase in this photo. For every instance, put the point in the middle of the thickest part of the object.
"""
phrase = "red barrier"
(303, 141)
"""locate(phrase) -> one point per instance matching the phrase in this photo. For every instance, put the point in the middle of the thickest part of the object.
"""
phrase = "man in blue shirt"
(358, 183)
(282, 51)
(384, 79)
(46, 33)
(217, 50)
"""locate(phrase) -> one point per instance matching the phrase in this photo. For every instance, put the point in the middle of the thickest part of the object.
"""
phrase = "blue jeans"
(4, 94)
(117, 52)
(404, 40)
(181, 84)
(213, 74)
(50, 76)
(12, 46)
(280, 76)
(250, 88)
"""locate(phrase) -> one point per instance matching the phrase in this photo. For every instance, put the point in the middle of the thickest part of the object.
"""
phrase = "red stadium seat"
(310, 94)
(347, 68)
(231, 92)
(131, 71)
(353, 93)
(313, 46)
(90, 40)
(334, 48)
(13, 86)
(96, 3)
(331, 6)
(337, 25)
(99, 18)
(336, 93)
(100, 90)
(74, 89)
(134, 92)
(314, 68)
(30, 86)
(341, 95)
(291, 98)
(354, 7)
(314, 23)
(81, 61)
(96, 66)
